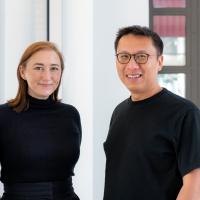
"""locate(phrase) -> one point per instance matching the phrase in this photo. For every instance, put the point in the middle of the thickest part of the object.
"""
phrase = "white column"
(23, 25)
(2, 59)
(2, 53)
(56, 22)
(77, 87)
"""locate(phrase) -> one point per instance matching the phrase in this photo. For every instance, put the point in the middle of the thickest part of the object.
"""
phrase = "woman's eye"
(38, 68)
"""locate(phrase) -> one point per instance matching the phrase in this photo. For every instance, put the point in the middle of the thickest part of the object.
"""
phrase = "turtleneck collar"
(40, 103)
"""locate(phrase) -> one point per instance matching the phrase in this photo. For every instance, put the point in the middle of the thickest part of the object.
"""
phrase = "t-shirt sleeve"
(188, 151)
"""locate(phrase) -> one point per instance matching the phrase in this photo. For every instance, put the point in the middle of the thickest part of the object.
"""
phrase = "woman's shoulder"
(68, 107)
(5, 111)
(4, 107)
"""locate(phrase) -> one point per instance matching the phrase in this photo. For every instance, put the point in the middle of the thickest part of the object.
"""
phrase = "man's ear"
(160, 63)
(22, 72)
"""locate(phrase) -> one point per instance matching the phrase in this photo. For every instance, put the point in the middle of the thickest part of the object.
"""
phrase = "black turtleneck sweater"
(40, 144)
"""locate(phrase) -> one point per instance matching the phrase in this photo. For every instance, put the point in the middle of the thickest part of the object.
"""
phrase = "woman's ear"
(22, 72)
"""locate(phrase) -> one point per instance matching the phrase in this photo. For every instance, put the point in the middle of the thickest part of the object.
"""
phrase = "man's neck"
(145, 95)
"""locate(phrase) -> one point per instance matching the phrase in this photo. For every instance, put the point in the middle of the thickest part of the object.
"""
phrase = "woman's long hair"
(20, 102)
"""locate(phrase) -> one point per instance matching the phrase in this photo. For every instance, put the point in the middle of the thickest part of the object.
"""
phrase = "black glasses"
(140, 58)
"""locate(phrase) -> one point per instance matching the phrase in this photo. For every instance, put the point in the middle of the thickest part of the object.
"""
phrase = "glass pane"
(174, 51)
(169, 25)
(169, 3)
(173, 82)
(172, 31)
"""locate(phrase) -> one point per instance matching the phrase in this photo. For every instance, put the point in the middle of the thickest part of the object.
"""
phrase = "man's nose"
(132, 63)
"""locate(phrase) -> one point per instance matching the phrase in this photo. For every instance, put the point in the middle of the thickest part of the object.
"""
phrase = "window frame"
(192, 45)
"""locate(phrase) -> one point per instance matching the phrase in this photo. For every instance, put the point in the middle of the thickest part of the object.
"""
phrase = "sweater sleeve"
(189, 142)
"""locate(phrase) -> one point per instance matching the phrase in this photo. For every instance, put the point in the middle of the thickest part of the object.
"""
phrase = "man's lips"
(134, 76)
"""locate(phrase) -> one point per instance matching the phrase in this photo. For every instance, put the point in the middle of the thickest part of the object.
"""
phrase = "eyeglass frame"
(134, 56)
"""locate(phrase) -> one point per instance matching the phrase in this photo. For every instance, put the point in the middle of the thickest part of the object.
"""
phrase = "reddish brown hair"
(20, 102)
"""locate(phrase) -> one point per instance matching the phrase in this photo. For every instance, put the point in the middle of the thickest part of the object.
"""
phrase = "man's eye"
(125, 56)
(54, 69)
(141, 56)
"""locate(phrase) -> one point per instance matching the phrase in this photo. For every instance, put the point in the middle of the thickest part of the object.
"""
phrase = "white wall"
(77, 87)
(85, 31)
(2, 56)
(108, 90)
(18, 25)
(17, 29)
(2, 53)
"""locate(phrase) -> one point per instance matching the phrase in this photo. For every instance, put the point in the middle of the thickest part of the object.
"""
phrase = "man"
(153, 144)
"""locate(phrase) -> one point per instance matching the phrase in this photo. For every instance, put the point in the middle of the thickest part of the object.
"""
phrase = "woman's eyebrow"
(39, 64)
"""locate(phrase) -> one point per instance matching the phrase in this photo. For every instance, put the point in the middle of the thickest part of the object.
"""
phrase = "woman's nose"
(46, 74)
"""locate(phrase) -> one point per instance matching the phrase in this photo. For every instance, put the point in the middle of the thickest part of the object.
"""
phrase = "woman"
(39, 136)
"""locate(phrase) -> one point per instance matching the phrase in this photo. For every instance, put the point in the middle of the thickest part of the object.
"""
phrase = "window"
(178, 27)
(169, 3)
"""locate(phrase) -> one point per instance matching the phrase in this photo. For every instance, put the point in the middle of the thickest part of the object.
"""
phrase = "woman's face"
(42, 73)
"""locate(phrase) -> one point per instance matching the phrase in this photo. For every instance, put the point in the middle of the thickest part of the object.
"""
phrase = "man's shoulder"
(121, 108)
(179, 101)
(123, 104)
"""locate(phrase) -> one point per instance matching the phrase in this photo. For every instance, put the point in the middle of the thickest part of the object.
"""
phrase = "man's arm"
(191, 186)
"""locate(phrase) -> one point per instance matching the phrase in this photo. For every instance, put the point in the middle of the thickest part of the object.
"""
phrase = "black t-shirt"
(151, 144)
(40, 144)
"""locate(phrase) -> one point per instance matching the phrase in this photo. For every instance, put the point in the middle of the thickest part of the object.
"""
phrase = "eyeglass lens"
(140, 58)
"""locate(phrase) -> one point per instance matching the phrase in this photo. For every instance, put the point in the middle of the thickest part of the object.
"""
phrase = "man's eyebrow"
(140, 51)
(55, 65)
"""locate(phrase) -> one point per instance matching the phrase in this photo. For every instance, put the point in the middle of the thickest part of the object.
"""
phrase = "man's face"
(140, 79)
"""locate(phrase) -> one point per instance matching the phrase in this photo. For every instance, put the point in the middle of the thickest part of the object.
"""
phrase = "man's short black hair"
(140, 31)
